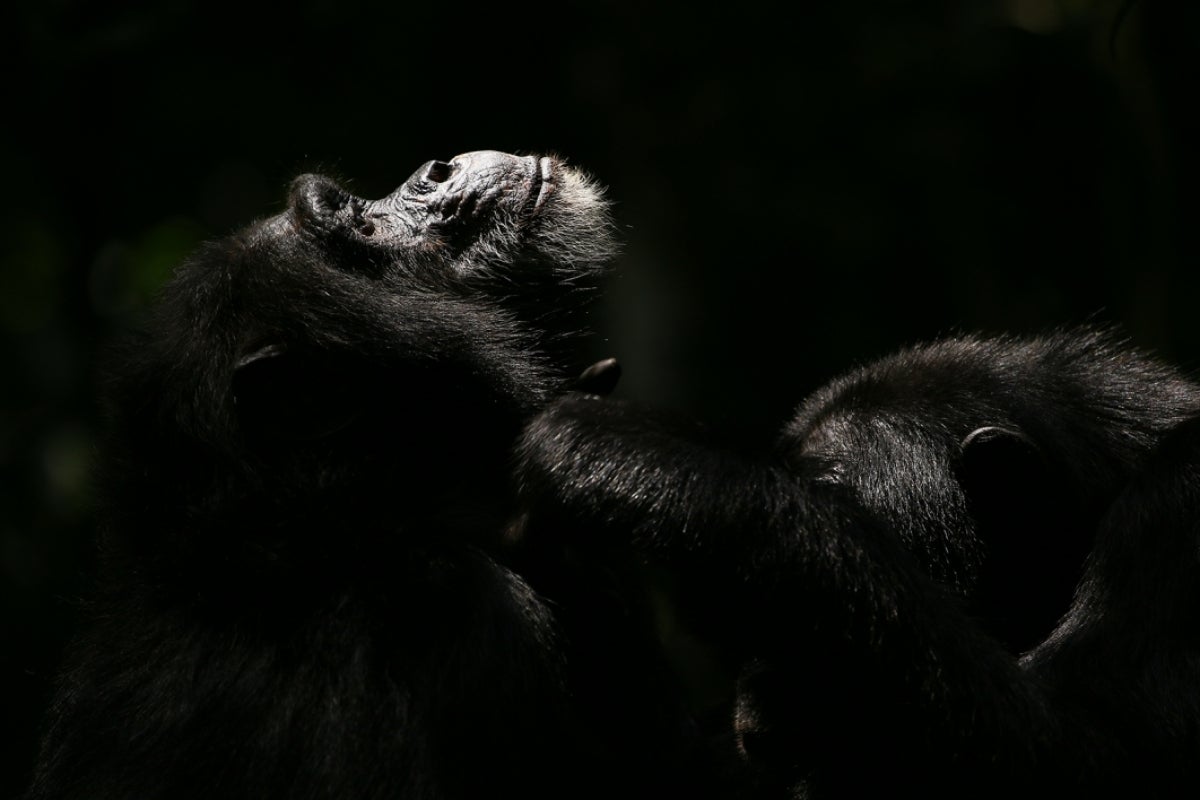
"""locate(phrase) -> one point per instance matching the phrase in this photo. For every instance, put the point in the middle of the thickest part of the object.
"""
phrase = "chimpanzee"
(970, 569)
(312, 579)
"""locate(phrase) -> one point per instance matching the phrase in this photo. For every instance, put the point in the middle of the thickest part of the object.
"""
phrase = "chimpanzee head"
(372, 347)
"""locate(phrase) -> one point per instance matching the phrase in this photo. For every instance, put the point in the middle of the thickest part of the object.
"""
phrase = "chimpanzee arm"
(866, 658)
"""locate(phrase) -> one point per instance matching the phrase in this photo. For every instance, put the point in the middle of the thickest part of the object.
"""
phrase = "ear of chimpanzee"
(600, 378)
(1019, 507)
(1002, 471)
(284, 396)
(991, 453)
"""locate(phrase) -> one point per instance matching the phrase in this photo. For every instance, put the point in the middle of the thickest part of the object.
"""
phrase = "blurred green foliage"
(31, 276)
(126, 275)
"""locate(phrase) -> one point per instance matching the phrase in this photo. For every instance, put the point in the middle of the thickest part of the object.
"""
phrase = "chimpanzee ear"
(1022, 515)
(282, 395)
(600, 378)
(1004, 474)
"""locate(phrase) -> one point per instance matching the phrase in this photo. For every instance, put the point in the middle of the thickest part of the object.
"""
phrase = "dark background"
(799, 187)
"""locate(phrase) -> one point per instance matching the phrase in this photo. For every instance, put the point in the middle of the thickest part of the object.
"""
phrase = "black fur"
(971, 569)
(311, 585)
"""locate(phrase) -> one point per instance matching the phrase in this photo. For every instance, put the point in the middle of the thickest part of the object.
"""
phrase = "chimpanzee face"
(427, 317)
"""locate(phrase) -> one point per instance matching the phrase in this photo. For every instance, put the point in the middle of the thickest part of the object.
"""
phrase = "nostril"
(438, 171)
(366, 228)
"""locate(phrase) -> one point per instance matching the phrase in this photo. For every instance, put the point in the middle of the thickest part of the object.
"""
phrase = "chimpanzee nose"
(430, 176)
(477, 171)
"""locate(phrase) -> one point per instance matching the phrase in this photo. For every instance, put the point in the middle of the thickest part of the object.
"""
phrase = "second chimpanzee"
(970, 569)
